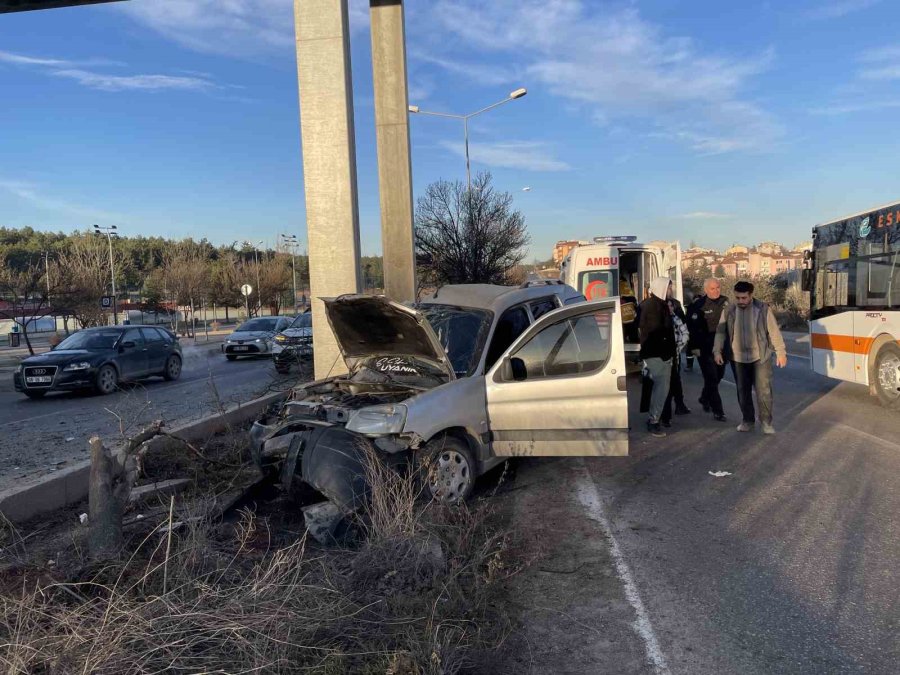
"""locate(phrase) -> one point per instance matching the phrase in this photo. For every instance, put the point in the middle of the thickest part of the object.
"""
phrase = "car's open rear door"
(560, 388)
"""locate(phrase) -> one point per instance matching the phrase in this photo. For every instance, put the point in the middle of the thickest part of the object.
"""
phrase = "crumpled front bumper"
(327, 457)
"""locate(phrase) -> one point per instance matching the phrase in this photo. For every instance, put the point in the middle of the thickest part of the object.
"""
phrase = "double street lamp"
(110, 232)
(291, 242)
(513, 95)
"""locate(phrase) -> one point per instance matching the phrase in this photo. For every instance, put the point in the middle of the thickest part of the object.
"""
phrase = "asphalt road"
(37, 436)
(789, 565)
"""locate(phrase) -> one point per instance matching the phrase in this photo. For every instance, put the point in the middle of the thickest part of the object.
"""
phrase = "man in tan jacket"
(748, 336)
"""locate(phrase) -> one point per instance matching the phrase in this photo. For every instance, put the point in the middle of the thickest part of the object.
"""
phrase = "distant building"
(562, 248)
(737, 249)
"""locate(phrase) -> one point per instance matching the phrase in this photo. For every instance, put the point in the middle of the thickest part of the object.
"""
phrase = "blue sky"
(703, 120)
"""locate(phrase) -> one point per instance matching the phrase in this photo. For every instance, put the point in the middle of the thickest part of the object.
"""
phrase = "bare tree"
(468, 236)
(85, 277)
(225, 283)
(275, 281)
(24, 294)
(187, 276)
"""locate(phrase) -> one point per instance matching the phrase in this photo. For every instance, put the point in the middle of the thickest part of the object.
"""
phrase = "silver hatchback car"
(469, 377)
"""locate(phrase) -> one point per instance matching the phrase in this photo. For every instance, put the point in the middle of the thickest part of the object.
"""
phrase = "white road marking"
(589, 496)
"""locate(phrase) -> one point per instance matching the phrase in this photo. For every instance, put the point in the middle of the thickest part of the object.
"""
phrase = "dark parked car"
(294, 345)
(101, 358)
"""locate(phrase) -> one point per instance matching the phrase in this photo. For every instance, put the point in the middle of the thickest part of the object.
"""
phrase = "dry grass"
(412, 597)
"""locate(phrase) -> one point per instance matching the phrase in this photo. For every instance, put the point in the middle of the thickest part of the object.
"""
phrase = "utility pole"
(110, 232)
(291, 241)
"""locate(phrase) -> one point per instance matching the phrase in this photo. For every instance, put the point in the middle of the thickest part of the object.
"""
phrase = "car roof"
(121, 327)
(496, 298)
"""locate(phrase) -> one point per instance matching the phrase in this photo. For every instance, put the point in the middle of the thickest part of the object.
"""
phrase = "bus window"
(878, 280)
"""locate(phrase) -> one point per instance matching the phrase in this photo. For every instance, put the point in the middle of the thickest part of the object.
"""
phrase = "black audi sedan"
(99, 359)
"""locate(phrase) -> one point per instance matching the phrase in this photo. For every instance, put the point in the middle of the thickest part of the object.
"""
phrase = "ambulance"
(619, 266)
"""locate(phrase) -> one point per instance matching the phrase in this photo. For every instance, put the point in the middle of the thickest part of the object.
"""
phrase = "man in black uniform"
(703, 318)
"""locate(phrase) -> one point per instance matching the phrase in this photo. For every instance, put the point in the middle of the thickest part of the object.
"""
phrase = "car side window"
(152, 336)
(164, 336)
(541, 306)
(511, 325)
(574, 346)
(133, 335)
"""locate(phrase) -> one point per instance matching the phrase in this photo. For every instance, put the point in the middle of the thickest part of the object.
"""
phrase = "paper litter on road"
(70, 439)
(83, 518)
(719, 474)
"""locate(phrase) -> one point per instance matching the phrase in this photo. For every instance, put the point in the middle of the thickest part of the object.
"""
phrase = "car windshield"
(462, 332)
(302, 321)
(266, 324)
(92, 340)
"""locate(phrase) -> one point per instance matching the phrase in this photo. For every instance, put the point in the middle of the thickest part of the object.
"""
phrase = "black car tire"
(35, 394)
(230, 357)
(107, 380)
(446, 470)
(887, 376)
(173, 368)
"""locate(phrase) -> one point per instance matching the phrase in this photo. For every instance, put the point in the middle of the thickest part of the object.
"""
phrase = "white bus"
(853, 278)
(599, 269)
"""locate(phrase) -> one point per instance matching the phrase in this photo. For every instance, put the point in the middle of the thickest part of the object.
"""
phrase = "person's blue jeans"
(758, 376)
(661, 373)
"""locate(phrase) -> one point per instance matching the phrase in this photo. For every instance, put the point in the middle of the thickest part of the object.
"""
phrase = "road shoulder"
(568, 607)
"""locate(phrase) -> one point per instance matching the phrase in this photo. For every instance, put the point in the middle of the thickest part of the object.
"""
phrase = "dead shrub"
(413, 596)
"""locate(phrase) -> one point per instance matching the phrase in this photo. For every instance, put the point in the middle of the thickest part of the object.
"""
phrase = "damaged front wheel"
(447, 469)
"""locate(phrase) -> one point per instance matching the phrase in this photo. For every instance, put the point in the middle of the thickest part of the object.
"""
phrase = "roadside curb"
(70, 486)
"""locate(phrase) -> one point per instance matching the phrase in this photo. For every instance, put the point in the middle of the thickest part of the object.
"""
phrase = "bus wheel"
(887, 376)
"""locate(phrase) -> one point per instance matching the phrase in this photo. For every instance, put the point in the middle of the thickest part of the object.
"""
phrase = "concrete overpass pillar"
(329, 163)
(392, 136)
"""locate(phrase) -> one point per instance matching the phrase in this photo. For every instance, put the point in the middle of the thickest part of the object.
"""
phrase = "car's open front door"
(560, 388)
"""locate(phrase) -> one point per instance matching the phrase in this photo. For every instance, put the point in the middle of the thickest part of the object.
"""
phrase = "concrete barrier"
(70, 485)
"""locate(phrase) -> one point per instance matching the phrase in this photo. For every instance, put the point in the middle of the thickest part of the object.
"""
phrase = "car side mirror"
(514, 369)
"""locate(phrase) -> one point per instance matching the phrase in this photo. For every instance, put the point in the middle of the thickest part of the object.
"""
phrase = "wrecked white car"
(473, 375)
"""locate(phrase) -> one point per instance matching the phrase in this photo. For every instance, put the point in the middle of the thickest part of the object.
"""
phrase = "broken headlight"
(378, 419)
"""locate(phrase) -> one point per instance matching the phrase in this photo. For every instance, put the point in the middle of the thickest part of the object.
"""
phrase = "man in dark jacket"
(657, 347)
(703, 320)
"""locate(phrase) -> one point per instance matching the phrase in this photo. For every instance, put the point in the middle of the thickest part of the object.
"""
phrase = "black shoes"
(720, 418)
(682, 410)
(655, 429)
(706, 406)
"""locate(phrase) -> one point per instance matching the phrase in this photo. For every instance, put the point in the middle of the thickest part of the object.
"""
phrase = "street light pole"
(292, 242)
(110, 231)
(47, 272)
(513, 95)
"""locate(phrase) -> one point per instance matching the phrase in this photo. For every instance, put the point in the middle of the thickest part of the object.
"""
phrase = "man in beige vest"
(748, 336)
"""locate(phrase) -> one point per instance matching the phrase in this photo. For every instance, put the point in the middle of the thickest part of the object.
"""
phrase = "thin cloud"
(115, 83)
(485, 74)
(835, 9)
(33, 194)
(528, 155)
(855, 107)
(705, 215)
(22, 60)
(614, 64)
(244, 29)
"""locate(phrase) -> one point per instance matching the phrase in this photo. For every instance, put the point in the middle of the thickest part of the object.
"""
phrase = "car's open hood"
(368, 325)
